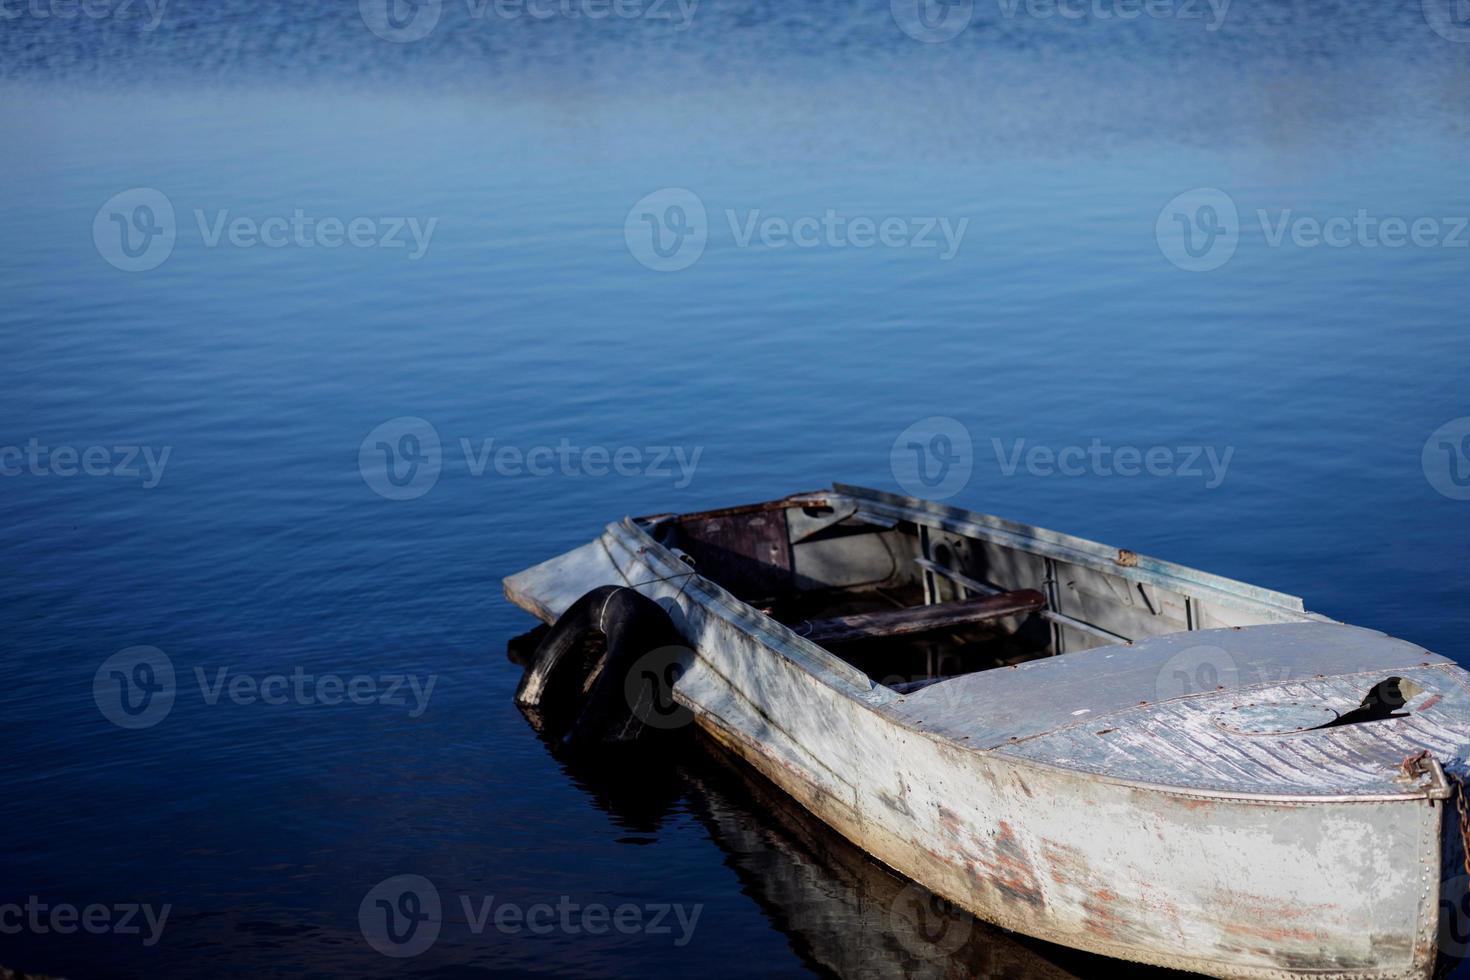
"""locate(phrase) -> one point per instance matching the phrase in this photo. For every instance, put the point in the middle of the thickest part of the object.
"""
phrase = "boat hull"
(1225, 886)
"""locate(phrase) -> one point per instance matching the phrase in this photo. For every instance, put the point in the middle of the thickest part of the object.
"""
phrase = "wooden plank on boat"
(984, 588)
(748, 553)
(922, 619)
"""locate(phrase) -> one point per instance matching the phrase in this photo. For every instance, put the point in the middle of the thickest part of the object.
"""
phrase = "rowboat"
(1074, 742)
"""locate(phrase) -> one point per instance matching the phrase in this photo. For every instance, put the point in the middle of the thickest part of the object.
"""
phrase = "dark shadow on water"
(637, 787)
(519, 649)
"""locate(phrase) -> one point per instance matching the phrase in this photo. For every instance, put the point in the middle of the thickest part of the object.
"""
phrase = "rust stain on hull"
(1004, 865)
(1256, 918)
(1102, 915)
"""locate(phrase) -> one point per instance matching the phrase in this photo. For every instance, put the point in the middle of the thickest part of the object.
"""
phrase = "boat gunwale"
(1095, 555)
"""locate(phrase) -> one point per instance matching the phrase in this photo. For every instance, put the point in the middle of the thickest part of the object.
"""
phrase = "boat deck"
(1281, 716)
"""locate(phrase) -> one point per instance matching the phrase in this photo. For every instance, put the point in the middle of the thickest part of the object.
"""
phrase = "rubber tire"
(634, 625)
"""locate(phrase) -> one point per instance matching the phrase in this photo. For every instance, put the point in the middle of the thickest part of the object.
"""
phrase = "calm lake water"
(665, 259)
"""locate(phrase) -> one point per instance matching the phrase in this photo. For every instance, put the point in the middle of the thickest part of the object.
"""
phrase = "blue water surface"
(535, 311)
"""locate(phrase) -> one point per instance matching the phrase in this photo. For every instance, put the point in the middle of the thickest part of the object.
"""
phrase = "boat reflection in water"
(844, 914)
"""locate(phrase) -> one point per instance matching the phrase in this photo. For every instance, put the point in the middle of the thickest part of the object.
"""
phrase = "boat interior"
(913, 597)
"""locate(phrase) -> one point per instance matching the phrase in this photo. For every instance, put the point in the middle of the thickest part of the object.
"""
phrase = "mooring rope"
(653, 581)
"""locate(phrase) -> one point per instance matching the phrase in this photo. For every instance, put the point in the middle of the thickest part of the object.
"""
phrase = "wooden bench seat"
(921, 619)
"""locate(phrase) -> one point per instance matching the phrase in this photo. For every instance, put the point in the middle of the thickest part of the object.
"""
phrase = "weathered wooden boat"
(1075, 742)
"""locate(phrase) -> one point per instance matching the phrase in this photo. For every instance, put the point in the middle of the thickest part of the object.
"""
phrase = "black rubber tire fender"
(634, 626)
